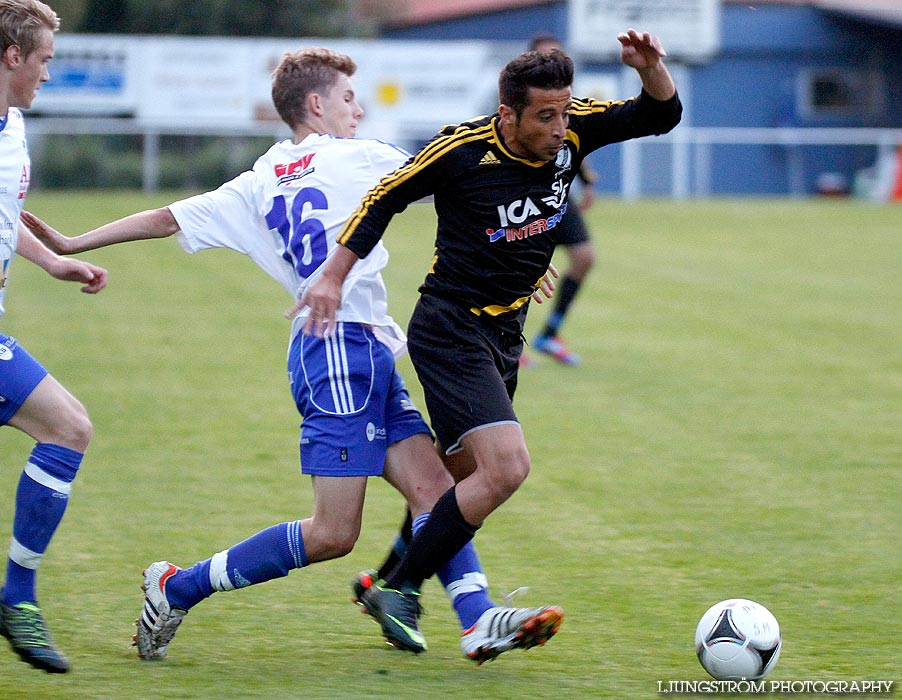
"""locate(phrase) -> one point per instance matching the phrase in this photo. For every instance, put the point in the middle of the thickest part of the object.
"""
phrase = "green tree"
(270, 18)
(70, 13)
(105, 17)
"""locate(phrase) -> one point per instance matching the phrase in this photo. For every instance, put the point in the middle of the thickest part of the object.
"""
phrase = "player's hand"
(46, 234)
(546, 285)
(71, 270)
(640, 50)
(322, 297)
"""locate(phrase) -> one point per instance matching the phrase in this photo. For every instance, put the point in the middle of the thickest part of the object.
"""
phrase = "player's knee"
(326, 539)
(508, 473)
(422, 498)
(336, 542)
(74, 429)
(582, 261)
(517, 473)
(342, 544)
(437, 483)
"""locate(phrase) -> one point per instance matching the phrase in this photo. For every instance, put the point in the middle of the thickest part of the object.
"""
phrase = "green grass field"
(735, 430)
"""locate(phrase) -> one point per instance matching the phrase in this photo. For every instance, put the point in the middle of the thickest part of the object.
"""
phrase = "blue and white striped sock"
(269, 554)
(41, 500)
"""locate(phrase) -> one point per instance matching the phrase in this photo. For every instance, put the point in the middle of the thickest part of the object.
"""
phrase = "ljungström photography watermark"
(762, 687)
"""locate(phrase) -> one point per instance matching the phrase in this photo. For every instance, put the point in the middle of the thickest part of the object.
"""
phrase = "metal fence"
(690, 168)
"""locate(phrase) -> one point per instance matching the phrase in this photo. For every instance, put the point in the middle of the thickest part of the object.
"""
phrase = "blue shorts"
(20, 373)
(353, 401)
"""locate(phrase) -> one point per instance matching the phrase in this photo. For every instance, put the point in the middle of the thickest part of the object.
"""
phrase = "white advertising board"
(688, 29)
(92, 76)
(408, 89)
(195, 82)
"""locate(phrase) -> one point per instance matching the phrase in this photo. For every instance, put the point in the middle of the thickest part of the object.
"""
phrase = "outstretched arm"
(153, 223)
(67, 269)
(645, 53)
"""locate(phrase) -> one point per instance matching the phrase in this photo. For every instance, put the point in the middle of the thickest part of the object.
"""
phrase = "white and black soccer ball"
(738, 639)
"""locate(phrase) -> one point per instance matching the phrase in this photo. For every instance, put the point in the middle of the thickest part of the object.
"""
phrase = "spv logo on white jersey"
(289, 172)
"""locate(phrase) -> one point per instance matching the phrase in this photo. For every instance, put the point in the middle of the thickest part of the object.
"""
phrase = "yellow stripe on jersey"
(513, 156)
(425, 157)
(572, 137)
(497, 309)
(440, 146)
(582, 107)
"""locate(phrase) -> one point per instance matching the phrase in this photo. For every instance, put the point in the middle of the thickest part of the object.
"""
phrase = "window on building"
(838, 92)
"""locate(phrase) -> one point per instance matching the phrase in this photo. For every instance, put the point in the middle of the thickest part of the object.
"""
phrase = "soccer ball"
(738, 639)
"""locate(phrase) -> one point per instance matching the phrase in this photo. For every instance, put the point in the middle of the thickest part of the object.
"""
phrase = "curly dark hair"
(545, 70)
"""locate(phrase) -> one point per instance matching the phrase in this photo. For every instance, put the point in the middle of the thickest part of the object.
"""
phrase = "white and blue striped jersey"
(286, 212)
(15, 171)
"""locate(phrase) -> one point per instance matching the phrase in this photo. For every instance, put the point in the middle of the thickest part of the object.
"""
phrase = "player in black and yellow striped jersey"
(500, 185)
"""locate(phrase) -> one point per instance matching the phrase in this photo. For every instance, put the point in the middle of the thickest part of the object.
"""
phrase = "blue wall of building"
(755, 81)
(507, 25)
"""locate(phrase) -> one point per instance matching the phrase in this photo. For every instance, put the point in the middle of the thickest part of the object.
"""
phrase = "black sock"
(402, 542)
(441, 537)
(568, 289)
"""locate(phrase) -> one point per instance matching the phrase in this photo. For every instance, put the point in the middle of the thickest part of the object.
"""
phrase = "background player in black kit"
(500, 186)
(573, 236)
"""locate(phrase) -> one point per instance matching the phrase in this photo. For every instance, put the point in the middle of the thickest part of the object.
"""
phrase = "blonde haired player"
(31, 400)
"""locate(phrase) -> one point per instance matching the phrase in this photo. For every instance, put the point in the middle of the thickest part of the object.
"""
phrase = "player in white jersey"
(358, 420)
(31, 400)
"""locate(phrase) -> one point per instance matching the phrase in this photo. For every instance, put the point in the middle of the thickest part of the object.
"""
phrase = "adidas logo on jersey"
(489, 159)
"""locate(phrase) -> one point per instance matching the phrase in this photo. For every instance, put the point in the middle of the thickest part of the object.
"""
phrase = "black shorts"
(467, 367)
(571, 230)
